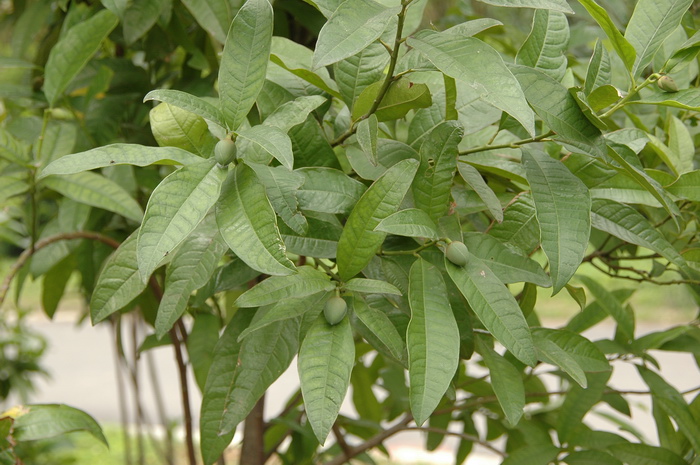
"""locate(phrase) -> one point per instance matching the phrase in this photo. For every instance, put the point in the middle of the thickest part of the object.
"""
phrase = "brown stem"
(121, 392)
(341, 440)
(182, 370)
(168, 454)
(253, 448)
(26, 255)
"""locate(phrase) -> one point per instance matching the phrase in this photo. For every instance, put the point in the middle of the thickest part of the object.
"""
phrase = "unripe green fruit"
(225, 152)
(457, 253)
(334, 310)
(667, 84)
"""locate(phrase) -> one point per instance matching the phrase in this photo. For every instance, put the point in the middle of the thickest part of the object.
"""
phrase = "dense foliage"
(380, 188)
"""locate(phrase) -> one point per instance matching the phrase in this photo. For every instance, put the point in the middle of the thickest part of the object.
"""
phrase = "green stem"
(509, 145)
(634, 91)
(409, 252)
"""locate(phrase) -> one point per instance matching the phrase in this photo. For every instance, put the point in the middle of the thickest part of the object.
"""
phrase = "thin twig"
(509, 145)
(465, 436)
(182, 370)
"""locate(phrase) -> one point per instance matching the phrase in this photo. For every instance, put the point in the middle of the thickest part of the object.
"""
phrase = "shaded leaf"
(271, 140)
(474, 180)
(544, 48)
(305, 282)
(44, 421)
(623, 48)
(411, 222)
(188, 102)
(506, 381)
(328, 190)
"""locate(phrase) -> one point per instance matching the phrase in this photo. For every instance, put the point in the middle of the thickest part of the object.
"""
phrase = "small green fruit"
(457, 253)
(335, 310)
(225, 152)
(667, 84)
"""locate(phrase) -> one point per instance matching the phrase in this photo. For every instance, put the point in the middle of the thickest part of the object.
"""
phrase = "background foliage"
(222, 170)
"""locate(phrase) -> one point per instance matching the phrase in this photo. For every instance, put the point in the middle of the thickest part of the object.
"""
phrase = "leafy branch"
(509, 145)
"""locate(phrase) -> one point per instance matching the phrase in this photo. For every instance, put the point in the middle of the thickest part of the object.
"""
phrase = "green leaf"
(175, 208)
(54, 285)
(577, 403)
(249, 225)
(188, 102)
(685, 54)
(328, 190)
(432, 339)
(306, 282)
(628, 224)
(536, 454)
(389, 152)
(367, 131)
(272, 140)
(174, 127)
(472, 61)
(191, 268)
(359, 241)
(244, 60)
(321, 241)
(590, 457)
(371, 286)
(140, 17)
(563, 207)
(118, 154)
(623, 48)
(201, 343)
(325, 362)
(651, 23)
(474, 180)
(686, 99)
(643, 454)
(519, 227)
(687, 186)
(508, 265)
(290, 114)
(410, 222)
(495, 306)
(261, 360)
(351, 28)
(118, 283)
(599, 69)
(357, 72)
(308, 76)
(438, 162)
(216, 396)
(672, 402)
(611, 305)
(13, 149)
(550, 352)
(402, 96)
(681, 145)
(281, 186)
(544, 48)
(585, 353)
(51, 420)
(212, 15)
(70, 54)
(96, 190)
(507, 382)
(559, 110)
(379, 326)
(557, 5)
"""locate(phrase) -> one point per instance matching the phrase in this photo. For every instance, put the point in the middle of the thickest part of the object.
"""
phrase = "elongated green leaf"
(536, 454)
(118, 154)
(201, 341)
(273, 141)
(174, 209)
(563, 207)
(495, 306)
(379, 327)
(474, 179)
(326, 358)
(73, 51)
(577, 403)
(474, 62)
(351, 28)
(599, 69)
(506, 380)
(367, 131)
(559, 110)
(611, 305)
(686, 99)
(281, 186)
(432, 339)
(586, 354)
(359, 241)
(96, 190)
(308, 76)
(402, 96)
(216, 396)
(190, 269)
(212, 15)
(687, 186)
(411, 222)
(174, 127)
(590, 457)
(287, 309)
(118, 283)
(651, 23)
(685, 54)
(306, 282)
(557, 5)
(672, 402)
(140, 17)
(643, 454)
(51, 420)
(371, 286)
(244, 60)
(438, 162)
(11, 186)
(328, 190)
(551, 353)
(519, 227)
(321, 241)
(290, 114)
(389, 152)
(357, 72)
(249, 225)
(188, 102)
(508, 265)
(623, 48)
(629, 225)
(681, 145)
(545, 46)
(13, 149)
(262, 360)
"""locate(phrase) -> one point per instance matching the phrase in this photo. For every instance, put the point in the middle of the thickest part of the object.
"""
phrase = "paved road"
(80, 360)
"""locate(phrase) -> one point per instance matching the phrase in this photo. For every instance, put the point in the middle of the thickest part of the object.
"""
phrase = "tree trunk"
(253, 449)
